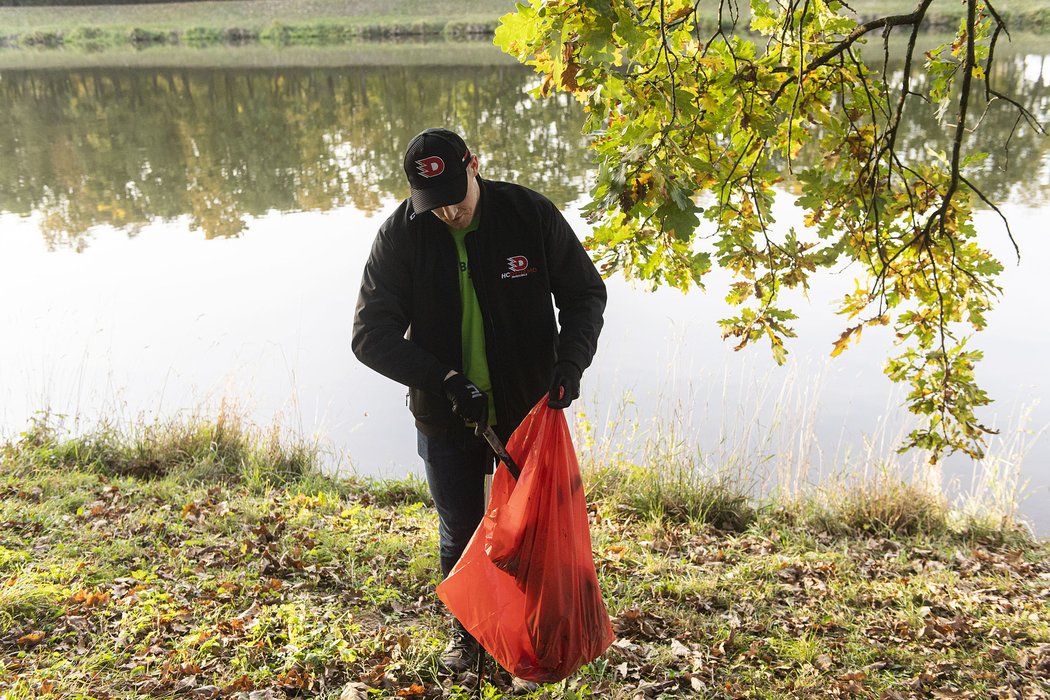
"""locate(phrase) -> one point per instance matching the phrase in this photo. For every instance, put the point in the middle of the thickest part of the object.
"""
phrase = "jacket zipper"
(481, 290)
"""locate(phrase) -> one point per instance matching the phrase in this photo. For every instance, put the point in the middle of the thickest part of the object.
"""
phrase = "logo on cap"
(431, 166)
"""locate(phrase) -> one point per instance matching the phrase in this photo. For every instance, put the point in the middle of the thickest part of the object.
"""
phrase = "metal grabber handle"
(501, 451)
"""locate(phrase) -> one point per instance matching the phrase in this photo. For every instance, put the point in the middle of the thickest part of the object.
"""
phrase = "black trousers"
(456, 471)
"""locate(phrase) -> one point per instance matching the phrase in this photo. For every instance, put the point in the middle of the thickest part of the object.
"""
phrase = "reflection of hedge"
(319, 33)
(325, 33)
(41, 39)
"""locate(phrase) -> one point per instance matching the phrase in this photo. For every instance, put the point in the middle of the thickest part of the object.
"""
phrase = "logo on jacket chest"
(518, 266)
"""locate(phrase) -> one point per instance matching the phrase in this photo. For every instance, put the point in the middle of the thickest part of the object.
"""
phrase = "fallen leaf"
(32, 639)
(90, 599)
(243, 684)
(294, 679)
(354, 691)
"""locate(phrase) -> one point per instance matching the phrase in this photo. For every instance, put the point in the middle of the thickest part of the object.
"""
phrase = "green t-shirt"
(475, 362)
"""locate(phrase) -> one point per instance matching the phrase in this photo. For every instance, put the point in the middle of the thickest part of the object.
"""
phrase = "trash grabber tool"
(501, 451)
(494, 442)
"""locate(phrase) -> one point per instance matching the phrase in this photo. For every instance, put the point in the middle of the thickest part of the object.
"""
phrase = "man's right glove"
(565, 384)
(468, 402)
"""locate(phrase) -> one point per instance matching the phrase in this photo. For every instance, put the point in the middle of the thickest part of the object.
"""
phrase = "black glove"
(468, 401)
(565, 385)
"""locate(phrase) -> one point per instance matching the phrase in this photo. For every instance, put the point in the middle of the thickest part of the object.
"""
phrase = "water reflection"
(1018, 154)
(124, 147)
(165, 321)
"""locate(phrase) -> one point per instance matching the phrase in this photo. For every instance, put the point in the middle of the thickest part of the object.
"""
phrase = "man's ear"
(474, 166)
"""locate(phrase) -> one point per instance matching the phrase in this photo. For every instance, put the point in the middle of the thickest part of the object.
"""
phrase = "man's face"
(460, 215)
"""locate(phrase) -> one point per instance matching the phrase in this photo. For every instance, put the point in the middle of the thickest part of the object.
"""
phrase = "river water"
(173, 237)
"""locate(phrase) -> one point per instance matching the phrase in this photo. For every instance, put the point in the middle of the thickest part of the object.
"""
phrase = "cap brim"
(439, 196)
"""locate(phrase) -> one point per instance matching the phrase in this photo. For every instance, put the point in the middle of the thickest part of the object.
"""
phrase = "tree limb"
(913, 18)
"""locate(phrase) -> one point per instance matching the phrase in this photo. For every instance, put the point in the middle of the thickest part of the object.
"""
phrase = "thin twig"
(993, 207)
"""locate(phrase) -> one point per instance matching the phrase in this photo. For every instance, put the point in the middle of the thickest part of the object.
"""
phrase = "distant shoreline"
(279, 23)
(276, 34)
(244, 22)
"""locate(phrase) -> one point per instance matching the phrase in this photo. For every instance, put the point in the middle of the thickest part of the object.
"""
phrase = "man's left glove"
(565, 385)
(468, 402)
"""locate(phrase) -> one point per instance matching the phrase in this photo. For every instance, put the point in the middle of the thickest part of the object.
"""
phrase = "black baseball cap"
(436, 166)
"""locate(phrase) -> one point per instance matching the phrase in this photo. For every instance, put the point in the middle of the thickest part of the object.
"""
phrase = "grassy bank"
(275, 22)
(327, 22)
(207, 559)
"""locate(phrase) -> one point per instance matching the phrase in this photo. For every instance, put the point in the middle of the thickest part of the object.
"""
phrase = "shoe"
(520, 686)
(461, 654)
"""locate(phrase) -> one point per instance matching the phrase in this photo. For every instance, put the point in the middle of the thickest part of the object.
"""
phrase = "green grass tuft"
(671, 492)
(28, 603)
(223, 450)
(882, 506)
(400, 492)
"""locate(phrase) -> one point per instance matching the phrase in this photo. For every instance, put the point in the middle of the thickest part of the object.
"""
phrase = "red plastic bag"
(525, 586)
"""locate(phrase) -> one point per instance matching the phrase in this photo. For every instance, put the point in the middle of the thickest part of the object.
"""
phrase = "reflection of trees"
(123, 147)
(1017, 153)
(1018, 156)
(1015, 150)
(126, 146)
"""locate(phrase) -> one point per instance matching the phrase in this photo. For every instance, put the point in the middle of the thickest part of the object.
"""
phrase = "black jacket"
(408, 316)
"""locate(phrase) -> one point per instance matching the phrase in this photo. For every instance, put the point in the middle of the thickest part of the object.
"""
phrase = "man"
(456, 303)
